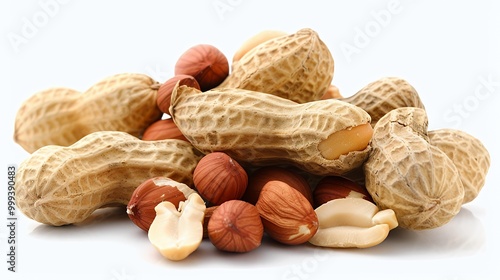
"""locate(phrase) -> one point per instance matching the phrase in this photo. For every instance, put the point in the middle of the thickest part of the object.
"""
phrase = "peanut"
(176, 234)
(407, 174)
(262, 129)
(256, 40)
(352, 223)
(468, 154)
(59, 185)
(383, 95)
(298, 67)
(61, 116)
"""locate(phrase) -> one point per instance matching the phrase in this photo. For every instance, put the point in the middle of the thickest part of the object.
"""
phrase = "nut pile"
(264, 146)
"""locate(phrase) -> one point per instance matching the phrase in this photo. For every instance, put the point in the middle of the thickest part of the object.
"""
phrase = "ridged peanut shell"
(407, 174)
(298, 67)
(383, 95)
(469, 155)
(61, 116)
(260, 129)
(59, 185)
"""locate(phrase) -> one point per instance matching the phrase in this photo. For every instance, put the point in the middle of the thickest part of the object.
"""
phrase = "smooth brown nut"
(287, 215)
(263, 175)
(218, 178)
(141, 207)
(206, 63)
(332, 92)
(208, 214)
(235, 226)
(163, 129)
(165, 90)
(334, 187)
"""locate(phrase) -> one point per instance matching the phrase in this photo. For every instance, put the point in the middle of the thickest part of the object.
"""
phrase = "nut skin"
(235, 226)
(332, 92)
(141, 207)
(163, 129)
(286, 214)
(261, 176)
(334, 187)
(206, 63)
(208, 214)
(218, 178)
(165, 90)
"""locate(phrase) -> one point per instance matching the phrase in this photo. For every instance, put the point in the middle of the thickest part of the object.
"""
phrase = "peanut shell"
(61, 116)
(407, 174)
(60, 185)
(260, 129)
(298, 67)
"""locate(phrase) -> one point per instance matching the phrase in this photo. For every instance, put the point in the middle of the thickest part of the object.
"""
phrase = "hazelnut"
(208, 214)
(334, 187)
(286, 214)
(218, 178)
(207, 64)
(165, 91)
(332, 93)
(141, 207)
(261, 176)
(235, 226)
(163, 129)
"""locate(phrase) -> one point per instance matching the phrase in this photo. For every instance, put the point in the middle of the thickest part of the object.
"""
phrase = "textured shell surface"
(405, 173)
(298, 67)
(262, 129)
(60, 185)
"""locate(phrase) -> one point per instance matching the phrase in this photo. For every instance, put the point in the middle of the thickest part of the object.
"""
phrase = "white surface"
(446, 51)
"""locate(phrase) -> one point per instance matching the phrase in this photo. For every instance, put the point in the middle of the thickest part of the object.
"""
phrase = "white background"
(449, 51)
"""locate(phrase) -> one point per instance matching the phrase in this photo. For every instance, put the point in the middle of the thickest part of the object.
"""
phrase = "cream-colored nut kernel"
(177, 234)
(352, 222)
(350, 237)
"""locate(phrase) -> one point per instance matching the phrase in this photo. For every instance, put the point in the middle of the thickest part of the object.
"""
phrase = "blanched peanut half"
(177, 234)
(352, 222)
(344, 141)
